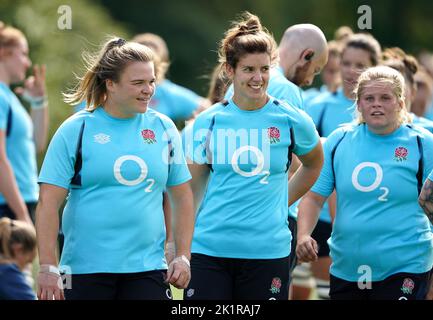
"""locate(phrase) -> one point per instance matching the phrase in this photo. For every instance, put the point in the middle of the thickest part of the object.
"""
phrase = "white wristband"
(183, 258)
(35, 102)
(49, 268)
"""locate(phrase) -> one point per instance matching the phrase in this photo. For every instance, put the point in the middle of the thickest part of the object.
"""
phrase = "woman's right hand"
(50, 285)
(306, 249)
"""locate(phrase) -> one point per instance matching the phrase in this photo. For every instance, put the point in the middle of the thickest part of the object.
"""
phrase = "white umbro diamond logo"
(190, 293)
(101, 138)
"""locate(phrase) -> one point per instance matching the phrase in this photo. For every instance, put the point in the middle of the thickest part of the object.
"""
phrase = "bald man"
(303, 53)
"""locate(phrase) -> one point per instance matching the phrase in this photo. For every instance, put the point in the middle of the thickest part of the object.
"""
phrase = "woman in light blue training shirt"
(21, 134)
(243, 147)
(114, 159)
(381, 244)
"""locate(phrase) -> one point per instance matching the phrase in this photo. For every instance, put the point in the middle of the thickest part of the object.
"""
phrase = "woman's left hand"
(179, 272)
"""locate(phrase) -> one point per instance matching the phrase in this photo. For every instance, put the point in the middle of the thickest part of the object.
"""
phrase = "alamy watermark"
(64, 22)
(365, 20)
(364, 281)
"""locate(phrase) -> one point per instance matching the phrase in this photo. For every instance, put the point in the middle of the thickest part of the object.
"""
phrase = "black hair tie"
(120, 42)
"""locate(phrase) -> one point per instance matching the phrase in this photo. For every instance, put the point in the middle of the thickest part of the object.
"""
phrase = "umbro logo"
(101, 138)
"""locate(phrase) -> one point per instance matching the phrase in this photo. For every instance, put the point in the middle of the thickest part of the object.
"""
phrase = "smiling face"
(134, 89)
(250, 80)
(380, 107)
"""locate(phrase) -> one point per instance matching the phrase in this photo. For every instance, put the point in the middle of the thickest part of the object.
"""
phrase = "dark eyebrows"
(142, 80)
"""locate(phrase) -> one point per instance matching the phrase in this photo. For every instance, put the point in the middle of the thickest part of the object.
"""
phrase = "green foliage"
(193, 29)
(59, 49)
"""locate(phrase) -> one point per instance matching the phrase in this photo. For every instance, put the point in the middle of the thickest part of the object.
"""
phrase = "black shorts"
(148, 285)
(292, 258)
(321, 234)
(6, 211)
(215, 278)
(399, 286)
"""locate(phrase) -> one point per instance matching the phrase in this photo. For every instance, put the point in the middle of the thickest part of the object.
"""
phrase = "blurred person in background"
(17, 251)
(21, 135)
(171, 99)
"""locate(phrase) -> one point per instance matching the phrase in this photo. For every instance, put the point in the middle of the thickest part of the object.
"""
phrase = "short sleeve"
(196, 137)
(325, 184)
(187, 102)
(306, 136)
(4, 110)
(59, 161)
(179, 172)
(427, 145)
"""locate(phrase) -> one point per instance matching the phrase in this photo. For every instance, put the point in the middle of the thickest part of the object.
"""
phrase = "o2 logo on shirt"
(257, 170)
(143, 172)
(379, 176)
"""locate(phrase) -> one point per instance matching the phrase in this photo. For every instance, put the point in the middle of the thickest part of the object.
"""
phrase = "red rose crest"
(148, 136)
(400, 154)
(274, 134)
(408, 286)
(276, 285)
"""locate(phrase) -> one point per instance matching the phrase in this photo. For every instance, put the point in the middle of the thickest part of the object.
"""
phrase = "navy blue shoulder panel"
(419, 174)
(9, 122)
(76, 179)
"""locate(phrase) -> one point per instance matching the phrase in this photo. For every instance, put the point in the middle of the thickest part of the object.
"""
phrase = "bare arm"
(294, 166)
(169, 241)
(304, 178)
(200, 175)
(181, 198)
(35, 90)
(47, 227)
(332, 204)
(40, 124)
(308, 214)
(8, 185)
(51, 199)
(167, 217)
(425, 199)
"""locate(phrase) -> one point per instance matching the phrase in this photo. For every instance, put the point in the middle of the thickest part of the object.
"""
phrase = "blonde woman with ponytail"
(112, 162)
(21, 135)
(377, 166)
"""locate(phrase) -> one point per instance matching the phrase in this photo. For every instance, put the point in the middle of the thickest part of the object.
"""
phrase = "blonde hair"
(406, 64)
(384, 75)
(107, 64)
(342, 33)
(158, 45)
(15, 232)
(9, 36)
(247, 35)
